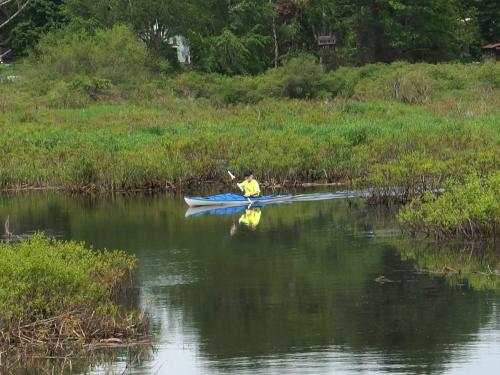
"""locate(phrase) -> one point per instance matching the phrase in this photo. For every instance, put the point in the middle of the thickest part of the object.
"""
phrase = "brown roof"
(492, 46)
(325, 40)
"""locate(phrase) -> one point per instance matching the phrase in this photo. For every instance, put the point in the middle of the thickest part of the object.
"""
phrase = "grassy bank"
(58, 299)
(398, 127)
(126, 146)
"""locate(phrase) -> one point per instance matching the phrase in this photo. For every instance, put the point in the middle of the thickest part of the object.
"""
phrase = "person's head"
(248, 175)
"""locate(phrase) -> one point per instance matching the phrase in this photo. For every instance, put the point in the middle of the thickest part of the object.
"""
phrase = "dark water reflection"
(295, 294)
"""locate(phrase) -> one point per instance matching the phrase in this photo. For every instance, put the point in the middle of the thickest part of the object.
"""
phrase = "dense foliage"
(370, 128)
(470, 209)
(249, 36)
(114, 55)
(56, 295)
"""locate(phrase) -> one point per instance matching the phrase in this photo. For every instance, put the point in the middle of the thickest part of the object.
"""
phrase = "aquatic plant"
(59, 298)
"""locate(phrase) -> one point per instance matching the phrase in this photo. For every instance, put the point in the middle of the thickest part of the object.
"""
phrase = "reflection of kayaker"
(250, 219)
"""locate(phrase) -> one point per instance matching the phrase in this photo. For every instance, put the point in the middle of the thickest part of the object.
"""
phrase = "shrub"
(59, 298)
(77, 92)
(469, 210)
(488, 73)
(113, 54)
(409, 87)
(43, 277)
(300, 78)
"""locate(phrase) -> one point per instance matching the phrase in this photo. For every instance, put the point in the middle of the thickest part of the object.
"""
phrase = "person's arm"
(241, 185)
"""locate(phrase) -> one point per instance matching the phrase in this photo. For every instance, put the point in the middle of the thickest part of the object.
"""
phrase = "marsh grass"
(128, 146)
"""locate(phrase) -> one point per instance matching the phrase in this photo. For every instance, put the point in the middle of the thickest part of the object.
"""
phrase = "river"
(313, 287)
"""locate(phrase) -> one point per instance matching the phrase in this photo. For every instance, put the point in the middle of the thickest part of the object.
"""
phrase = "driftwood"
(73, 335)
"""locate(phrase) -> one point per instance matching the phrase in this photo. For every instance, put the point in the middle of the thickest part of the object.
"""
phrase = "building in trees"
(326, 45)
(181, 45)
(492, 51)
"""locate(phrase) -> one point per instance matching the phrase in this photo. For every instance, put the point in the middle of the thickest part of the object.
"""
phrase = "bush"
(78, 92)
(467, 210)
(301, 78)
(409, 87)
(112, 54)
(58, 297)
(43, 277)
(489, 74)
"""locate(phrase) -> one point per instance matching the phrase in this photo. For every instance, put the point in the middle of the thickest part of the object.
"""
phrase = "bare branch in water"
(6, 226)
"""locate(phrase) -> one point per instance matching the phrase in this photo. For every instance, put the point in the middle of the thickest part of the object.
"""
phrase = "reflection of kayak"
(233, 200)
(225, 210)
(214, 210)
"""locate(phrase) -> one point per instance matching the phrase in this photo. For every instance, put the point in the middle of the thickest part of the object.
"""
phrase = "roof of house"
(492, 46)
(327, 40)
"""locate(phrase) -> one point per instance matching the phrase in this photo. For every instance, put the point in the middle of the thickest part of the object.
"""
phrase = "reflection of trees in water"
(474, 264)
(102, 361)
(326, 296)
(29, 212)
(305, 279)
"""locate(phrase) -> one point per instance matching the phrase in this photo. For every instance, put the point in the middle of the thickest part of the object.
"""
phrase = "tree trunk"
(359, 34)
(275, 37)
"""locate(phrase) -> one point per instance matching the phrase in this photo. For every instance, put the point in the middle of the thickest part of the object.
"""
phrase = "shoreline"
(95, 190)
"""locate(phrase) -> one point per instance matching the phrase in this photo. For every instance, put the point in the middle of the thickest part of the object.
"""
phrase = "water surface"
(298, 290)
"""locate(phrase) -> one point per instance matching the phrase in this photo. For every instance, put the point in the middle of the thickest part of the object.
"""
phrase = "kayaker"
(250, 186)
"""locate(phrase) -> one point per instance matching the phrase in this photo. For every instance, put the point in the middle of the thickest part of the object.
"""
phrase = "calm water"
(284, 289)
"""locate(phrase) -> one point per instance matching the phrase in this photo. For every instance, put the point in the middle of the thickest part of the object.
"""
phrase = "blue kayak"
(233, 200)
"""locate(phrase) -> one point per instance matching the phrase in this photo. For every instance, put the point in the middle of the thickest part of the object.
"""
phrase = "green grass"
(126, 145)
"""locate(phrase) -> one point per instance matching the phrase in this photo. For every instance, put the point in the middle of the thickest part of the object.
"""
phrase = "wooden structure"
(327, 41)
(326, 45)
(491, 51)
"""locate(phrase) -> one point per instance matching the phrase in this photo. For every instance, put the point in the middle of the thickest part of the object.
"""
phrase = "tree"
(153, 20)
(37, 18)
(10, 9)
(270, 32)
(488, 19)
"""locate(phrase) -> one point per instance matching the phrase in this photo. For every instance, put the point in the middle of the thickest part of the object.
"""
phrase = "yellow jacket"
(250, 188)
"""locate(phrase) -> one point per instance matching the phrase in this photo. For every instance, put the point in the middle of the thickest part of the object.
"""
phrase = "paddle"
(233, 177)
